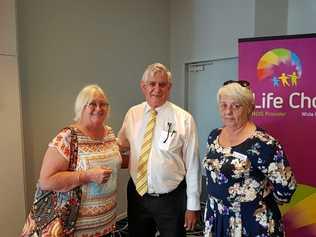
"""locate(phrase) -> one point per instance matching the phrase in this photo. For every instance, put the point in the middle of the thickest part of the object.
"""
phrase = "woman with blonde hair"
(97, 165)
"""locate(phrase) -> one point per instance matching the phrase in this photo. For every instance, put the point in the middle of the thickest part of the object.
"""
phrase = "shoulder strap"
(73, 150)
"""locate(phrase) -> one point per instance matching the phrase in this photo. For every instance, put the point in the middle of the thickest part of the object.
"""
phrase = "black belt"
(181, 186)
(156, 194)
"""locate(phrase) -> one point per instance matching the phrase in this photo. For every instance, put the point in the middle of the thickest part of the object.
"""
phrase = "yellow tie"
(141, 183)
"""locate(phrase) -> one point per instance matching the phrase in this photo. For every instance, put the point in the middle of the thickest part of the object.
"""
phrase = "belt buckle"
(154, 194)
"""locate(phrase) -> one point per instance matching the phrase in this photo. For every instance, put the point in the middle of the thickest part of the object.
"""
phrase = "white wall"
(271, 17)
(206, 30)
(12, 203)
(64, 45)
(209, 29)
(7, 27)
(301, 17)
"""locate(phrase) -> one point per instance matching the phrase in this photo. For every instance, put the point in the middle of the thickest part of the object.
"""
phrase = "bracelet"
(79, 173)
(76, 179)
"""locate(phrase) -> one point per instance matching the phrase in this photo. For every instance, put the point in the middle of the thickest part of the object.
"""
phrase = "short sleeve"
(62, 143)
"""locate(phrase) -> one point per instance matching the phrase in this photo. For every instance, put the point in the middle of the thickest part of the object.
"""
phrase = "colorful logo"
(280, 66)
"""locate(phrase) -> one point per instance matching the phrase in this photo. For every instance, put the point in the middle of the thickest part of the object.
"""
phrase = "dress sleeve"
(62, 143)
(276, 168)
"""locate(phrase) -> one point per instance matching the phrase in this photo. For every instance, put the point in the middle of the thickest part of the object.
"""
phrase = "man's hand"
(190, 219)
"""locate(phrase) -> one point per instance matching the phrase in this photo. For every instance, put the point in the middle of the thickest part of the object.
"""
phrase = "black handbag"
(55, 213)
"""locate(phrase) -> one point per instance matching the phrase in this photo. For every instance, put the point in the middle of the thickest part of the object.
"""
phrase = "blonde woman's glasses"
(101, 105)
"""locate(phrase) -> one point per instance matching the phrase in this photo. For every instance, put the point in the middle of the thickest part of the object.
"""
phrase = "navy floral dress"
(245, 183)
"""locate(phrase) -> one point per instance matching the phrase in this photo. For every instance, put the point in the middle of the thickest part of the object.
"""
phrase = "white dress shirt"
(174, 153)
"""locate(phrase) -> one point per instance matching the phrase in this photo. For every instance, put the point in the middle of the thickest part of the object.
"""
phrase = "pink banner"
(282, 74)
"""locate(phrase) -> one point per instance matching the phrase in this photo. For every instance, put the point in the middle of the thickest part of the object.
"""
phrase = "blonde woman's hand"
(99, 175)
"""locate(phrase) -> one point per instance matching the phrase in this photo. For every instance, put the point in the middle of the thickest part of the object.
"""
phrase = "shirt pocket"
(168, 140)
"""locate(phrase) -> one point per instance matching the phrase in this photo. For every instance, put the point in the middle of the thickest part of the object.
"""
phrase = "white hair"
(84, 97)
(154, 68)
(240, 94)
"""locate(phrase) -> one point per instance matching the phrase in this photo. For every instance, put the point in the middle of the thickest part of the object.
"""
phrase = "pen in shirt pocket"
(170, 132)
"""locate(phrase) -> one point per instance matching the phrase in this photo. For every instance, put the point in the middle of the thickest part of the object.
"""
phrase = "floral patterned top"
(245, 183)
(97, 211)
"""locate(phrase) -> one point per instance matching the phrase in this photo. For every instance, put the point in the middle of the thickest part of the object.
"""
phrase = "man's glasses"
(94, 105)
(241, 82)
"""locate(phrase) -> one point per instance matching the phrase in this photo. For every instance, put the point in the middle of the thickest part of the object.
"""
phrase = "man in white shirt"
(171, 202)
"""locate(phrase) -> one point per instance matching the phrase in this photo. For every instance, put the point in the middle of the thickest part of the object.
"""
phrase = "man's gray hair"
(152, 69)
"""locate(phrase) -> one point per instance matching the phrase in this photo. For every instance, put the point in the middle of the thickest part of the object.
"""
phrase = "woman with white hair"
(248, 174)
(98, 161)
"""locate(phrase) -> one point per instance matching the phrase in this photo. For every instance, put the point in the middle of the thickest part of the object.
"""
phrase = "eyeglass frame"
(242, 83)
(94, 105)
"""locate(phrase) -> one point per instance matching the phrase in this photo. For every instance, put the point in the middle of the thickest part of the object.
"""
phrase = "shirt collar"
(148, 108)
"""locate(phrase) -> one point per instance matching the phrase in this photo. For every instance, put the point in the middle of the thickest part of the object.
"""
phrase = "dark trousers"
(164, 213)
